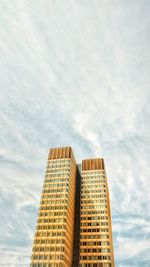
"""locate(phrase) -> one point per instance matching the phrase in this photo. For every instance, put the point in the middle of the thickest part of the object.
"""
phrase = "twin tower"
(74, 223)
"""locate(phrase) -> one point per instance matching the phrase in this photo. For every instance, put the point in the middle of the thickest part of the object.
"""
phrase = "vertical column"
(96, 248)
(53, 242)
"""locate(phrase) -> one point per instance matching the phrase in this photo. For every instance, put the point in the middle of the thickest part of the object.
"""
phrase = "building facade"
(53, 242)
(74, 222)
(96, 249)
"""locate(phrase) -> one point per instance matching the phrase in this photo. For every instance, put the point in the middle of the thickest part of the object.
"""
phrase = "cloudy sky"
(75, 73)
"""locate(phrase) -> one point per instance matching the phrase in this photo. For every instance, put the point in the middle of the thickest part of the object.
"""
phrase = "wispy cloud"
(75, 73)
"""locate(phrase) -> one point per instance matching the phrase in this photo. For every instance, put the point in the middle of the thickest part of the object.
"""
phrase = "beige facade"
(74, 223)
(96, 249)
(53, 242)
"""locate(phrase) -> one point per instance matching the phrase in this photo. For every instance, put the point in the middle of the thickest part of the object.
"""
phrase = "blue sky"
(75, 73)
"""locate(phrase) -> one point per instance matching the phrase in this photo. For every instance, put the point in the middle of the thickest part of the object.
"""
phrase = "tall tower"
(96, 249)
(53, 242)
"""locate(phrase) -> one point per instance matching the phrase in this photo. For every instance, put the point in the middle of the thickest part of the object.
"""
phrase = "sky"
(75, 73)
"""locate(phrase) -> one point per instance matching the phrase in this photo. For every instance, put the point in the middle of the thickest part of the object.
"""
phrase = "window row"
(61, 213)
(50, 170)
(92, 230)
(56, 180)
(89, 191)
(49, 241)
(95, 265)
(95, 250)
(47, 257)
(64, 189)
(54, 201)
(94, 195)
(95, 243)
(57, 175)
(97, 218)
(93, 178)
(51, 226)
(94, 258)
(56, 161)
(89, 186)
(94, 181)
(44, 234)
(46, 265)
(94, 211)
(49, 196)
(94, 224)
(48, 249)
(86, 206)
(94, 237)
(92, 172)
(100, 199)
(51, 220)
(64, 207)
(65, 184)
(58, 165)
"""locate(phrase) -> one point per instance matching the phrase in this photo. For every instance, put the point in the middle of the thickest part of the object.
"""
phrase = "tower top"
(93, 164)
(60, 153)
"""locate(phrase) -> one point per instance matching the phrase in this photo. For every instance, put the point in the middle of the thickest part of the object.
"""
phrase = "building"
(96, 248)
(53, 243)
(74, 224)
